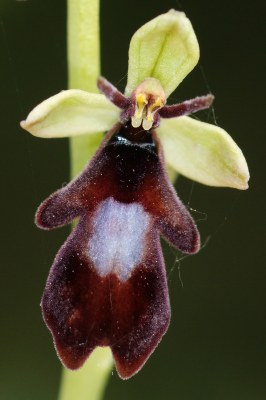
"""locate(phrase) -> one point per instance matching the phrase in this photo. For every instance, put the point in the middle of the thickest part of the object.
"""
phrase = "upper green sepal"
(165, 48)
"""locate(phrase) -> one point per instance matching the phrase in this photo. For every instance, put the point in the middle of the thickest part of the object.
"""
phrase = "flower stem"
(83, 68)
(88, 383)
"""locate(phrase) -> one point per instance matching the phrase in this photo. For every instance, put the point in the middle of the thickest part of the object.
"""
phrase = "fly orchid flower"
(107, 285)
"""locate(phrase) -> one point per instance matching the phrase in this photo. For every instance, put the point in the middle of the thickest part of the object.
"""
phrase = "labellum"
(107, 286)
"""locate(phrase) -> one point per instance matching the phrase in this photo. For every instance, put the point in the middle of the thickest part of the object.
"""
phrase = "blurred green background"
(215, 348)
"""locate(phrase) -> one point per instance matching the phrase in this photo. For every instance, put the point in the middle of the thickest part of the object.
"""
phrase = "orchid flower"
(107, 285)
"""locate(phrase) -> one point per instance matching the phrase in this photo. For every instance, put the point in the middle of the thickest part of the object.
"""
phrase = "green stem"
(88, 383)
(83, 68)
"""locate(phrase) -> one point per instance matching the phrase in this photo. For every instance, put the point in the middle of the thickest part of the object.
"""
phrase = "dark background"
(215, 348)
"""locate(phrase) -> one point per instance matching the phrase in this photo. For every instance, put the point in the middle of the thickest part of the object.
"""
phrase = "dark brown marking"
(84, 310)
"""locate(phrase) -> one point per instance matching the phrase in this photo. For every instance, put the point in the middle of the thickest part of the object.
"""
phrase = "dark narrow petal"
(84, 309)
(117, 98)
(112, 93)
(187, 107)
